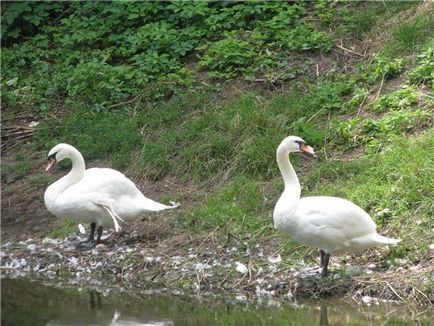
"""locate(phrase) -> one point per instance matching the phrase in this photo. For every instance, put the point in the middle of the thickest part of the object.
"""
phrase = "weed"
(424, 70)
(401, 99)
(409, 36)
(94, 135)
(376, 132)
(383, 68)
(69, 227)
(40, 180)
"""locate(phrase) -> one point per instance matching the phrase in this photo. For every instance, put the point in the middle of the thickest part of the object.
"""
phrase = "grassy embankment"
(210, 109)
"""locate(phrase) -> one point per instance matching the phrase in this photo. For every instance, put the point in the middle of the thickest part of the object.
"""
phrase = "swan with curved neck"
(100, 196)
(333, 225)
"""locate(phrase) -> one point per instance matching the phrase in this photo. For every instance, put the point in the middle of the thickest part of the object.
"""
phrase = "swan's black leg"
(322, 254)
(90, 242)
(326, 263)
(92, 233)
(98, 238)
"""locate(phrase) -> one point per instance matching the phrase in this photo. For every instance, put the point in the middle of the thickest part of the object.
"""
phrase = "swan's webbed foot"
(90, 242)
(85, 245)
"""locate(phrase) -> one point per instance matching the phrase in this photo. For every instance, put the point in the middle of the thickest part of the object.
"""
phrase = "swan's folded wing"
(335, 216)
(110, 182)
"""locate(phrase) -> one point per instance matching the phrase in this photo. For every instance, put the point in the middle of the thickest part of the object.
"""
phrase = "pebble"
(50, 241)
(32, 247)
(241, 268)
(275, 260)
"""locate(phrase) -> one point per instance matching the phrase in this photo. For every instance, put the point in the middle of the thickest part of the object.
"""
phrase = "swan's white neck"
(292, 185)
(75, 175)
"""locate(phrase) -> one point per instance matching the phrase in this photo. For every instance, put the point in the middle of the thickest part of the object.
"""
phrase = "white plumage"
(100, 196)
(334, 225)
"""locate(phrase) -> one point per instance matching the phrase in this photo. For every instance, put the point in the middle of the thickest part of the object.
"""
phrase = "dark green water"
(30, 303)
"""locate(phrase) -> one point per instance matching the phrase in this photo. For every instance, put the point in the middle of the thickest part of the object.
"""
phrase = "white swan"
(99, 196)
(334, 225)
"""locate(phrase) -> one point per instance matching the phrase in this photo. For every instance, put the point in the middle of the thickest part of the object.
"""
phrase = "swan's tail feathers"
(113, 215)
(149, 205)
(385, 240)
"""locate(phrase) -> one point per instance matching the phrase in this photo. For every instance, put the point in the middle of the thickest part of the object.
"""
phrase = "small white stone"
(241, 268)
(431, 247)
(275, 260)
(149, 259)
(81, 229)
(50, 241)
(32, 247)
(241, 297)
(366, 299)
(383, 212)
(33, 124)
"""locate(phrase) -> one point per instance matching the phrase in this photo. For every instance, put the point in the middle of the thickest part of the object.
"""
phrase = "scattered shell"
(241, 268)
(51, 241)
(81, 229)
(275, 260)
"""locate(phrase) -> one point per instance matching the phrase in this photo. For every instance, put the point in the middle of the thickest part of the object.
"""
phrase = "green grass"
(69, 228)
(40, 180)
(412, 35)
(362, 17)
(95, 135)
(19, 169)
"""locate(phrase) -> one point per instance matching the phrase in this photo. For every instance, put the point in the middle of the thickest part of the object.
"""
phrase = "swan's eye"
(52, 156)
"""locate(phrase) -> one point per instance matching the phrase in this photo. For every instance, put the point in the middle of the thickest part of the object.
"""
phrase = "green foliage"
(401, 99)
(410, 35)
(234, 208)
(358, 18)
(67, 53)
(376, 132)
(383, 68)
(424, 70)
(41, 180)
(20, 169)
(228, 57)
(94, 134)
(330, 95)
(69, 227)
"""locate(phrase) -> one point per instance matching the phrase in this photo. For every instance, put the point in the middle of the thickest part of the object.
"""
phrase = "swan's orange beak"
(307, 150)
(51, 162)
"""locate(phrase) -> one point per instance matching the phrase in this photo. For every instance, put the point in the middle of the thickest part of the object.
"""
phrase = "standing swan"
(99, 196)
(334, 225)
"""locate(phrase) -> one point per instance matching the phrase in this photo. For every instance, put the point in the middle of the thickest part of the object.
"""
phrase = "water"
(30, 303)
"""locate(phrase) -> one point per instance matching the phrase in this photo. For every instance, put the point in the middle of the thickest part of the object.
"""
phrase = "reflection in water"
(97, 314)
(323, 319)
(27, 303)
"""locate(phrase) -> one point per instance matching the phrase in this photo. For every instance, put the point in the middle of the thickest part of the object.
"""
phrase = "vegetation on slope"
(205, 91)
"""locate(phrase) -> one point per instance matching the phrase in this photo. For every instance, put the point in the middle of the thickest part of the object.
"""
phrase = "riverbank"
(204, 265)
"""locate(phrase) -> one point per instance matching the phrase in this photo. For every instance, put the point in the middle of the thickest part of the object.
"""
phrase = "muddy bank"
(204, 266)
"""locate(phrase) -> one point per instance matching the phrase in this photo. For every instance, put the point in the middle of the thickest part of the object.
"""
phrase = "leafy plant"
(402, 99)
(424, 70)
(375, 132)
(384, 68)
(228, 57)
